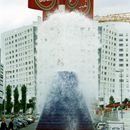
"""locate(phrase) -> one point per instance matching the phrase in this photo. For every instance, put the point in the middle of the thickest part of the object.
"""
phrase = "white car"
(100, 125)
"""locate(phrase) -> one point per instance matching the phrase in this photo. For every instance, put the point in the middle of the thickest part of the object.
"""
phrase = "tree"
(9, 104)
(24, 98)
(16, 101)
(126, 100)
(31, 104)
(111, 100)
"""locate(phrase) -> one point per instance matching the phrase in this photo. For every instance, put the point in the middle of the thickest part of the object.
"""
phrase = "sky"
(104, 7)
(15, 13)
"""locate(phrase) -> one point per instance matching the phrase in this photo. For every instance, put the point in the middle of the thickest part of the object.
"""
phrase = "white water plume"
(68, 42)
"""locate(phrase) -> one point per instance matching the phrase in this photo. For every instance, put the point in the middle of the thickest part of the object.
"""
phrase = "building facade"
(123, 70)
(20, 58)
(113, 63)
(1, 80)
(1, 83)
(107, 61)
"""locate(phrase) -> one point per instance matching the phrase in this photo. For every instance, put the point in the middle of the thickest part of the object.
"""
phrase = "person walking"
(11, 124)
(3, 124)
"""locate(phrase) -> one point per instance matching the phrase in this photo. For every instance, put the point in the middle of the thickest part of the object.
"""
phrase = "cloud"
(106, 3)
(104, 7)
(14, 14)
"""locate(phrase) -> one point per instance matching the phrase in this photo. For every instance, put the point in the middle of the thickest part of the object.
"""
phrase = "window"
(121, 59)
(120, 49)
(121, 65)
(113, 80)
(120, 54)
(120, 40)
(121, 44)
(120, 34)
(105, 73)
(121, 80)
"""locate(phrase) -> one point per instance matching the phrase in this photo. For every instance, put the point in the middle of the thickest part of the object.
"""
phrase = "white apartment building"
(122, 66)
(1, 81)
(20, 58)
(107, 61)
(114, 59)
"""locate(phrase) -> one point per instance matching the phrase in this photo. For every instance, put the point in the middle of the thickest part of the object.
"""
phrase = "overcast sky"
(15, 13)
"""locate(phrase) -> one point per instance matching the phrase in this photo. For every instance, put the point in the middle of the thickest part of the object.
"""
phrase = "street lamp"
(120, 71)
(7, 71)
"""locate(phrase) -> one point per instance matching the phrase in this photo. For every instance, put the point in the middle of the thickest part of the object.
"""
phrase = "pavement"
(30, 127)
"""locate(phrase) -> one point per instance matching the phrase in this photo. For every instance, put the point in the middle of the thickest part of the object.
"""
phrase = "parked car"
(100, 125)
(30, 118)
(17, 123)
(24, 123)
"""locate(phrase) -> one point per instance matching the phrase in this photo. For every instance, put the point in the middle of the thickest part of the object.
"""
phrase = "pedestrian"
(11, 124)
(3, 124)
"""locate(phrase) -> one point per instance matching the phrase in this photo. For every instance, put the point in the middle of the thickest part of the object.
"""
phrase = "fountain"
(65, 108)
(67, 72)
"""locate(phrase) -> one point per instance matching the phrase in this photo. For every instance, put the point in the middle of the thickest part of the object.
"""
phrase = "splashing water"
(68, 42)
(65, 107)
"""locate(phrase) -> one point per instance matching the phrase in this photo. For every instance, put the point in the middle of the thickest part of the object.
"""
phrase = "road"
(30, 127)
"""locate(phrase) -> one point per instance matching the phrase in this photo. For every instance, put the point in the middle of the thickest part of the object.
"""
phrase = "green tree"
(111, 100)
(24, 98)
(9, 104)
(126, 100)
(16, 101)
(31, 104)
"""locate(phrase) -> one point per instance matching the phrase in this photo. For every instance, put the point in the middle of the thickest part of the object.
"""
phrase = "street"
(30, 127)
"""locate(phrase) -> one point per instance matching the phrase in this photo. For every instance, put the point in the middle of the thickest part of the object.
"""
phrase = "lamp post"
(5, 88)
(120, 71)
